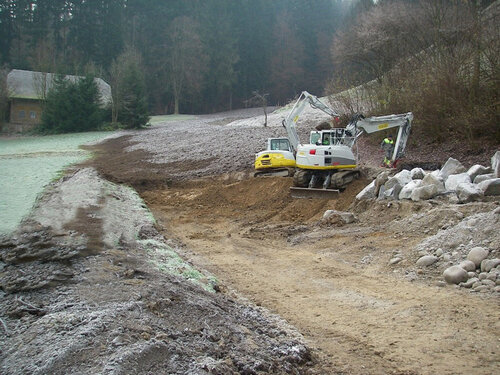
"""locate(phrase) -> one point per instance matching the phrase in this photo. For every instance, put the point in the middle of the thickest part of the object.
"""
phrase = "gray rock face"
(426, 260)
(392, 193)
(477, 255)
(468, 265)
(483, 177)
(432, 180)
(477, 170)
(490, 187)
(488, 264)
(406, 191)
(380, 181)
(468, 192)
(417, 174)
(495, 164)
(401, 178)
(368, 192)
(424, 192)
(452, 166)
(455, 275)
(454, 180)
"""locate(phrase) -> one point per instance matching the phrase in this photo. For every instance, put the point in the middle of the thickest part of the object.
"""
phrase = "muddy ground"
(293, 294)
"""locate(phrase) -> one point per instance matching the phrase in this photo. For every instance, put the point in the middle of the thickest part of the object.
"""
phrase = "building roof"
(25, 84)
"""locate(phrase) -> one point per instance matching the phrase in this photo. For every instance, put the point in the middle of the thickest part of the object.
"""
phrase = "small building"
(26, 92)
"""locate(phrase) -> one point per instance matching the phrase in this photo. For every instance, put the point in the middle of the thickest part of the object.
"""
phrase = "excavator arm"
(360, 125)
(290, 122)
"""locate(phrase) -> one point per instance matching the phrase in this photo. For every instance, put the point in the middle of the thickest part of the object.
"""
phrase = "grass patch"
(165, 259)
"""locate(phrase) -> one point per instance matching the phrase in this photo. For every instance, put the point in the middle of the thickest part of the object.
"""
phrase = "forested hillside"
(211, 55)
(437, 58)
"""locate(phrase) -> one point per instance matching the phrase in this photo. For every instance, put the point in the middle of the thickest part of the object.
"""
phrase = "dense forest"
(438, 58)
(200, 55)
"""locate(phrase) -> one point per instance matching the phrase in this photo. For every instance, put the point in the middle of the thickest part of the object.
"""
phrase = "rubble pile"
(452, 182)
(468, 252)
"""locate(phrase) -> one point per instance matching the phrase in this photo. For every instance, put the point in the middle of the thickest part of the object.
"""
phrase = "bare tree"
(260, 100)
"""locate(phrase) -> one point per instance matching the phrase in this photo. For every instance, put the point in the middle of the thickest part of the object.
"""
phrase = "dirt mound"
(258, 199)
(112, 297)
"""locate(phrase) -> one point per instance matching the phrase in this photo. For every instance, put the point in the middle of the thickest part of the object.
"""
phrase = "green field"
(28, 164)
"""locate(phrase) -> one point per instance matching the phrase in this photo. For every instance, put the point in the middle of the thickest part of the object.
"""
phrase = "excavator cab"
(282, 144)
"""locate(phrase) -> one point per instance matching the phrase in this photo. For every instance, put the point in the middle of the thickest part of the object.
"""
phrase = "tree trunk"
(176, 105)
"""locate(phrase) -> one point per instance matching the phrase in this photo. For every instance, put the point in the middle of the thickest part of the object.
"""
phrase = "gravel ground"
(212, 139)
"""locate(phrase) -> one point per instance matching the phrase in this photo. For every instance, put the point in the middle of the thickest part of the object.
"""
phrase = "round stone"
(455, 275)
(488, 264)
(477, 255)
(426, 260)
(468, 265)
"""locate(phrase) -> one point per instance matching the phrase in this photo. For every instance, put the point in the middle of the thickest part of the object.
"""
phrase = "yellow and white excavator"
(327, 163)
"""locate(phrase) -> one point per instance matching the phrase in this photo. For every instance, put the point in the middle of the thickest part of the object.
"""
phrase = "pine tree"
(132, 93)
(72, 106)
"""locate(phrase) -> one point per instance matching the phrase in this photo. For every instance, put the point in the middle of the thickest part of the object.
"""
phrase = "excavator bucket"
(298, 192)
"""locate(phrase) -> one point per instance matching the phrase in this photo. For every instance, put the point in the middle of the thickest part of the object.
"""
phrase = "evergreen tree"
(131, 92)
(72, 106)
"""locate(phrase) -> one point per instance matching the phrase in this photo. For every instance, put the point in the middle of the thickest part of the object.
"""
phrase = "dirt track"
(335, 284)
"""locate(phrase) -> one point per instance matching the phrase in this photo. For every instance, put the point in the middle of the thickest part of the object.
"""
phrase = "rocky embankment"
(465, 248)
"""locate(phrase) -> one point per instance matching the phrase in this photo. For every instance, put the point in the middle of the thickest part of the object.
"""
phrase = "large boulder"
(424, 192)
(417, 174)
(483, 177)
(477, 255)
(368, 192)
(490, 187)
(392, 193)
(380, 180)
(468, 192)
(454, 180)
(406, 191)
(495, 164)
(452, 166)
(477, 170)
(401, 178)
(431, 179)
(336, 218)
(455, 275)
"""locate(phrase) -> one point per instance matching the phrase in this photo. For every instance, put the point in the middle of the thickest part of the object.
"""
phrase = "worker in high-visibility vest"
(388, 146)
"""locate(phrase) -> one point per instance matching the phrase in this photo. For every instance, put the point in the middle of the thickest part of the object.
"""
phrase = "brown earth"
(359, 314)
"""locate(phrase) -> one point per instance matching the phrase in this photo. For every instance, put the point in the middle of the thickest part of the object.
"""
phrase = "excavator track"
(304, 188)
(274, 172)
